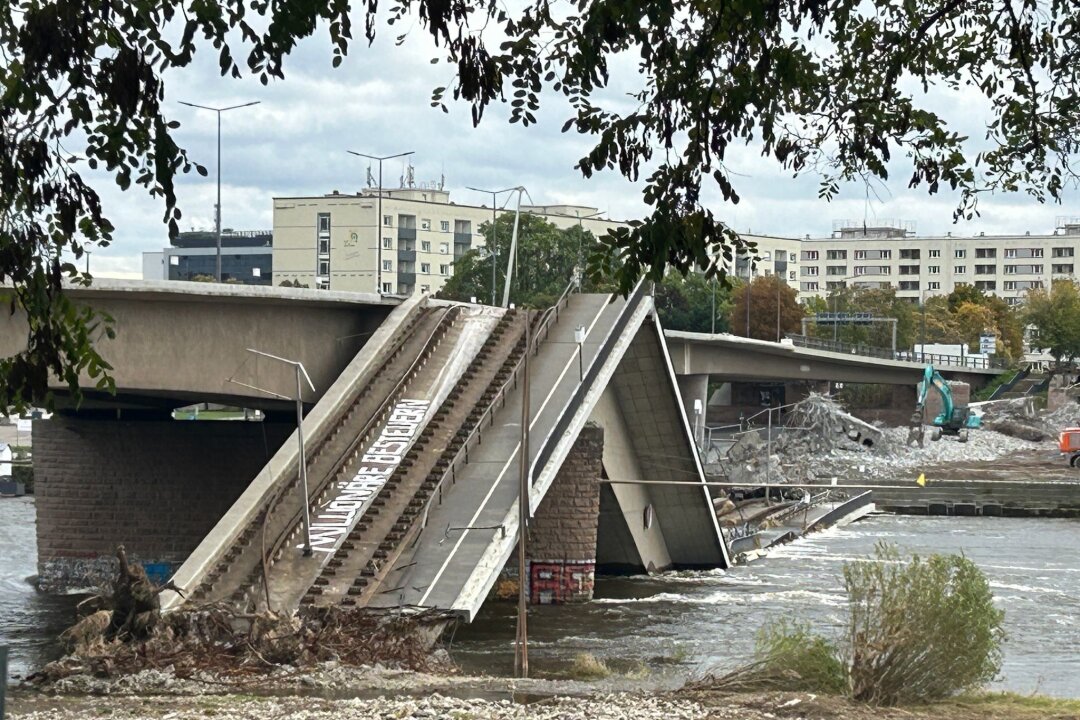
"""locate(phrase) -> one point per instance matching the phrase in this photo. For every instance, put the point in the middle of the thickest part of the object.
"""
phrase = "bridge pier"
(561, 551)
(153, 484)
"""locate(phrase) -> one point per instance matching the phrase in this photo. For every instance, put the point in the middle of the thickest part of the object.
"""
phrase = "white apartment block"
(339, 241)
(889, 254)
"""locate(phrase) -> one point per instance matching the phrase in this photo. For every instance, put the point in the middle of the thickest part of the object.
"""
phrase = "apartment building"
(889, 254)
(345, 242)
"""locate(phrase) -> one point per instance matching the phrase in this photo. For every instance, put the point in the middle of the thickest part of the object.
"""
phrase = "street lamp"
(302, 470)
(378, 212)
(513, 246)
(492, 247)
(217, 272)
(581, 232)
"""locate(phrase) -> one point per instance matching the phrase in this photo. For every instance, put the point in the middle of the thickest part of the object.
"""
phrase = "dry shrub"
(919, 631)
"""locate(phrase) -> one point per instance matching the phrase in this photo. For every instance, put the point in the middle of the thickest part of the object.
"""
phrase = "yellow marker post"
(921, 480)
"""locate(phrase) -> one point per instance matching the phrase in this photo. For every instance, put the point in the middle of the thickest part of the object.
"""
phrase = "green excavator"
(954, 421)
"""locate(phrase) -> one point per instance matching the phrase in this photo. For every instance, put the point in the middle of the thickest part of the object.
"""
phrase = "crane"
(954, 420)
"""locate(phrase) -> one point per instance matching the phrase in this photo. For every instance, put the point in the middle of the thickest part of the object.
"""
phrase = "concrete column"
(156, 486)
(562, 536)
(695, 388)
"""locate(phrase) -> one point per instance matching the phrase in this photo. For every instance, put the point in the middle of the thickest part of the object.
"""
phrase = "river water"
(683, 623)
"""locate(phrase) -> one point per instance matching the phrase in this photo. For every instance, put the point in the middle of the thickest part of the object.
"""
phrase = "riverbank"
(416, 696)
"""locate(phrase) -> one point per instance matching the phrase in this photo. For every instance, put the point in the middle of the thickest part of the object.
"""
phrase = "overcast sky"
(378, 102)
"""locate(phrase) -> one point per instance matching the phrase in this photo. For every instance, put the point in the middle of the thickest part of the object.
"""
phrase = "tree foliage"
(545, 263)
(1054, 319)
(966, 313)
(769, 299)
(837, 88)
(694, 303)
(879, 302)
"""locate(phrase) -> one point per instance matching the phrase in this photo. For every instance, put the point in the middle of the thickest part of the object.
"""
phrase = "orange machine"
(1069, 444)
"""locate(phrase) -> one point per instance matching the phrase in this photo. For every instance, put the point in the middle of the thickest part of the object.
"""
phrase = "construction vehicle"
(954, 420)
(1069, 444)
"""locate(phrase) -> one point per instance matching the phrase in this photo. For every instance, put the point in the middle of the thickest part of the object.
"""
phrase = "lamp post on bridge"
(217, 208)
(378, 212)
(493, 248)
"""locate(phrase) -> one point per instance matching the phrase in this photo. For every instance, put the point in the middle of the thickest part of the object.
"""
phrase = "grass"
(587, 666)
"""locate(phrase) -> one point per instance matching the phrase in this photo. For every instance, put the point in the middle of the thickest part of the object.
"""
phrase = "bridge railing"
(936, 359)
(601, 357)
(476, 435)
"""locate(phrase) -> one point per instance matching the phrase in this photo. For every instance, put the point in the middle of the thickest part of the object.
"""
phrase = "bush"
(919, 631)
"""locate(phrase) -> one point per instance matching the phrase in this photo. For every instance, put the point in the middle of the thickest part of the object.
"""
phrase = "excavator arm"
(953, 421)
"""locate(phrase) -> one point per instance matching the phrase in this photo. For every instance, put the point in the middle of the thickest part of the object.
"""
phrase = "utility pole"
(217, 208)
(581, 235)
(492, 242)
(378, 212)
(513, 247)
(779, 283)
(521, 645)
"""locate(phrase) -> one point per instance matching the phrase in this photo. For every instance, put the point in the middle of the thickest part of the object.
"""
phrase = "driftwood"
(125, 632)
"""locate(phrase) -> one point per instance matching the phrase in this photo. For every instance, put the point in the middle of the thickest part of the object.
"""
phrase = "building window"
(425, 268)
(1062, 252)
(425, 246)
(1036, 252)
(1010, 284)
(444, 269)
(324, 246)
(909, 254)
(388, 243)
(324, 267)
(909, 285)
(809, 255)
(792, 275)
(959, 269)
(933, 286)
(1037, 270)
(810, 286)
(986, 284)
(425, 224)
(444, 248)
(810, 270)
(1063, 269)
(934, 253)
(986, 253)
(444, 225)
(324, 223)
(836, 270)
(425, 288)
(985, 270)
(933, 269)
(960, 254)
(387, 288)
(387, 265)
(836, 254)
(388, 221)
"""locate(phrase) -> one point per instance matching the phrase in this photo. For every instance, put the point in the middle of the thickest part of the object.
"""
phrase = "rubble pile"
(821, 442)
(124, 632)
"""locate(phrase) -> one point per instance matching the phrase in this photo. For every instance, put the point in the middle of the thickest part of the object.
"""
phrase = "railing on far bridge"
(935, 359)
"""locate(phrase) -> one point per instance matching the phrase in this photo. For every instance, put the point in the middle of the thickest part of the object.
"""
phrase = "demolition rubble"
(820, 441)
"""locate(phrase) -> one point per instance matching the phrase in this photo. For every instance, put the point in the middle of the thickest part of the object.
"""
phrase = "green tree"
(818, 85)
(693, 303)
(768, 297)
(1054, 319)
(879, 302)
(966, 313)
(545, 265)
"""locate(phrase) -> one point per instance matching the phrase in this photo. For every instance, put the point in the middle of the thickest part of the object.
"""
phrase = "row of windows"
(915, 254)
(909, 285)
(425, 246)
(834, 270)
(425, 268)
(409, 223)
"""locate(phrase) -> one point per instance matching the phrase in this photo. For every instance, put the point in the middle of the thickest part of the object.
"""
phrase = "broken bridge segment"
(469, 536)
